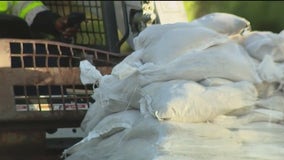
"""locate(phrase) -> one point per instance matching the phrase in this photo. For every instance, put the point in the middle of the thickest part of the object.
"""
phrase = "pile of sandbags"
(208, 89)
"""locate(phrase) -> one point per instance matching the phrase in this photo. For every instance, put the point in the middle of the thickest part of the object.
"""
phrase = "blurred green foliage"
(263, 15)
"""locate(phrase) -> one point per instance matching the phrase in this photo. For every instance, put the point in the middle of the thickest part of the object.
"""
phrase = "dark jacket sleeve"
(45, 22)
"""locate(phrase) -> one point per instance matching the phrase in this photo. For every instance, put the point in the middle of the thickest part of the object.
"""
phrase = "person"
(28, 19)
(34, 20)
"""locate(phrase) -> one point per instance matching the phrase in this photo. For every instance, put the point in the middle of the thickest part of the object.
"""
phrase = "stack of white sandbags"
(208, 89)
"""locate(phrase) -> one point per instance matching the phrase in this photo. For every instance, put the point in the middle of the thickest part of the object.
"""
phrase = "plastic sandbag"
(265, 136)
(111, 96)
(179, 41)
(96, 148)
(184, 141)
(268, 70)
(128, 66)
(269, 115)
(94, 115)
(88, 73)
(261, 43)
(224, 23)
(139, 143)
(187, 101)
(108, 126)
(229, 61)
(116, 122)
(274, 102)
(123, 93)
(154, 32)
(215, 82)
(266, 89)
(250, 116)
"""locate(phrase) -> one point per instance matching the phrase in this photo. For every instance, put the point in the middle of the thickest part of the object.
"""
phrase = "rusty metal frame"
(45, 75)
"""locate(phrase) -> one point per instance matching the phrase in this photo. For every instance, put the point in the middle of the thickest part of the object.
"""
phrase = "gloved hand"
(61, 26)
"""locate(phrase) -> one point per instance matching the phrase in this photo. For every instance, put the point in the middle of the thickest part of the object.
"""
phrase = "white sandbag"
(263, 151)
(128, 65)
(261, 43)
(281, 66)
(221, 85)
(154, 32)
(274, 102)
(262, 140)
(269, 71)
(229, 61)
(238, 38)
(123, 93)
(80, 146)
(266, 89)
(80, 149)
(255, 115)
(179, 41)
(153, 140)
(161, 140)
(105, 84)
(226, 121)
(214, 82)
(96, 148)
(281, 34)
(100, 110)
(111, 96)
(241, 111)
(270, 115)
(224, 23)
(197, 141)
(138, 142)
(116, 122)
(274, 128)
(94, 115)
(108, 126)
(88, 73)
(187, 101)
(102, 107)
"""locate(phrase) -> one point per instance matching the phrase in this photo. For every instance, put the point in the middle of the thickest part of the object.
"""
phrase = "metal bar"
(110, 25)
(41, 76)
(126, 25)
(6, 91)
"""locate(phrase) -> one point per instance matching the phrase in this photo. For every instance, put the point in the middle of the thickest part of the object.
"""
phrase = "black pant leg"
(14, 27)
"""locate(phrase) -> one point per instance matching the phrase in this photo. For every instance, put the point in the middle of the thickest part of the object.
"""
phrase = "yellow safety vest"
(23, 9)
(4, 6)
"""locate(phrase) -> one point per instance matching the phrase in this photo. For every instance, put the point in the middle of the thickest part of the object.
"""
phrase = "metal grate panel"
(99, 30)
(41, 79)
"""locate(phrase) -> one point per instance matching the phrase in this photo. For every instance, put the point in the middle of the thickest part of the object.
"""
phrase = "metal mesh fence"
(96, 31)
